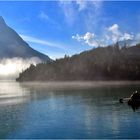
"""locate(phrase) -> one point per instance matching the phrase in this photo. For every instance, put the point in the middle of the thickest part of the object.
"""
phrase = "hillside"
(103, 63)
(12, 45)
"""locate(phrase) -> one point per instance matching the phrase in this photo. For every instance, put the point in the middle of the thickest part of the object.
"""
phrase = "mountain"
(103, 63)
(12, 45)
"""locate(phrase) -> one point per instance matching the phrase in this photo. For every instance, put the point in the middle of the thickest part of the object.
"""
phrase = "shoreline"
(77, 84)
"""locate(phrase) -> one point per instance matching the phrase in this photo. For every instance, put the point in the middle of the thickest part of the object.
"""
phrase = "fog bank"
(11, 67)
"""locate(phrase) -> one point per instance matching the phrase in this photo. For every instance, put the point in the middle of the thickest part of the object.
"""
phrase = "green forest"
(103, 63)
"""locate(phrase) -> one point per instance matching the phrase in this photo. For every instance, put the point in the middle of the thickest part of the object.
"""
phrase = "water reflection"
(29, 111)
(12, 93)
(134, 106)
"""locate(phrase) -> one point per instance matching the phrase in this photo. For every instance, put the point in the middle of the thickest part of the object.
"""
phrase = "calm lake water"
(31, 111)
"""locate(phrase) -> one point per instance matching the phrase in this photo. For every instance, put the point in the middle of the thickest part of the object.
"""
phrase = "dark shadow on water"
(134, 106)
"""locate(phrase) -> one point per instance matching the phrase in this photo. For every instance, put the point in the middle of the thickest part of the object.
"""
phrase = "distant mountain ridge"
(12, 45)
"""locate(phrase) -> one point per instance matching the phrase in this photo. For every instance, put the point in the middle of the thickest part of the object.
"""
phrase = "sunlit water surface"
(28, 111)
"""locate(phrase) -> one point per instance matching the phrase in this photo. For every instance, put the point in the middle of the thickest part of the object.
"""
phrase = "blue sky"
(69, 27)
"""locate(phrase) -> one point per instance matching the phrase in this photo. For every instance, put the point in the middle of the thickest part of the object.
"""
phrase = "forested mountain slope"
(103, 63)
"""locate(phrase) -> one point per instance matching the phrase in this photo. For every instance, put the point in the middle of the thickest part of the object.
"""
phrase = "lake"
(67, 110)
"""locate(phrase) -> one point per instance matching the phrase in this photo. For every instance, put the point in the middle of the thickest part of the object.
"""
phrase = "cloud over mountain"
(116, 35)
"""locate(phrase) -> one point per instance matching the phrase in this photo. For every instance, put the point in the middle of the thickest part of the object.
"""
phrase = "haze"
(10, 68)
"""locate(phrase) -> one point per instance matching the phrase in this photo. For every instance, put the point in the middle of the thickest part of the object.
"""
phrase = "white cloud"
(114, 34)
(41, 41)
(93, 15)
(127, 36)
(82, 4)
(73, 9)
(69, 11)
(111, 35)
(114, 29)
(88, 38)
(77, 37)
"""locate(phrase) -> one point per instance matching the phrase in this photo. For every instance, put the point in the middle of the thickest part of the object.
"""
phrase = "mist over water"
(12, 93)
(11, 67)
